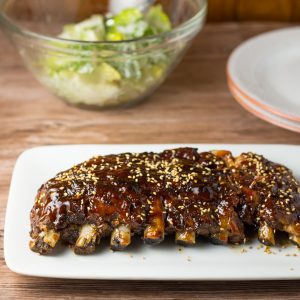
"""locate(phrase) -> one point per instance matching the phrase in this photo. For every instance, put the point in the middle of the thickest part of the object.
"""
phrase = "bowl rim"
(13, 27)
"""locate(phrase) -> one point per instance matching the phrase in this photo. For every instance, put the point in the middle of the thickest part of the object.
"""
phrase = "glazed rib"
(178, 191)
(270, 197)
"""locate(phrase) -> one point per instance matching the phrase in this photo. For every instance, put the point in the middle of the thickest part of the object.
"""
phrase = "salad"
(108, 74)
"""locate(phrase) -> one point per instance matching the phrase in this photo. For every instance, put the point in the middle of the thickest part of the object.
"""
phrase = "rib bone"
(185, 237)
(87, 239)
(154, 232)
(266, 235)
(51, 238)
(120, 238)
(294, 233)
(45, 241)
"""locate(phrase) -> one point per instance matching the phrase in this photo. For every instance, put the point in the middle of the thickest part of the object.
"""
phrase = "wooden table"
(193, 106)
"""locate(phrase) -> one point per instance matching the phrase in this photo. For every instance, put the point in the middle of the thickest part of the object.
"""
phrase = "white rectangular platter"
(139, 262)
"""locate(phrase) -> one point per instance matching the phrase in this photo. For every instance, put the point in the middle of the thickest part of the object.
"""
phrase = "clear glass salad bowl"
(97, 74)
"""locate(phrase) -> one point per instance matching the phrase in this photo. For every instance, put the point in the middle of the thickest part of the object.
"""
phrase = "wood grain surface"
(223, 10)
(193, 106)
(259, 10)
(235, 10)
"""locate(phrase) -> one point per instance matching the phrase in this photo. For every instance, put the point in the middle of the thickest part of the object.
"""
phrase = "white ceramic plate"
(262, 113)
(163, 262)
(266, 69)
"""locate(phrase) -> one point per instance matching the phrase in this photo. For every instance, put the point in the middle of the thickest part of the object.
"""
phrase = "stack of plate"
(264, 77)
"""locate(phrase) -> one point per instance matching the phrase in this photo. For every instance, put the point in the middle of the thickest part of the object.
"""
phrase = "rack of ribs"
(180, 191)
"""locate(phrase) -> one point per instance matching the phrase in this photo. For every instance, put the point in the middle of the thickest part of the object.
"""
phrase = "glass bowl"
(97, 74)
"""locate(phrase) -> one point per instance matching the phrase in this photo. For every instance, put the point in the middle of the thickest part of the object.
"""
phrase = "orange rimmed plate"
(265, 70)
(261, 113)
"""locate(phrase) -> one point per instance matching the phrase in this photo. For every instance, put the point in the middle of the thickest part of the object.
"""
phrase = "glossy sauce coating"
(271, 194)
(194, 190)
